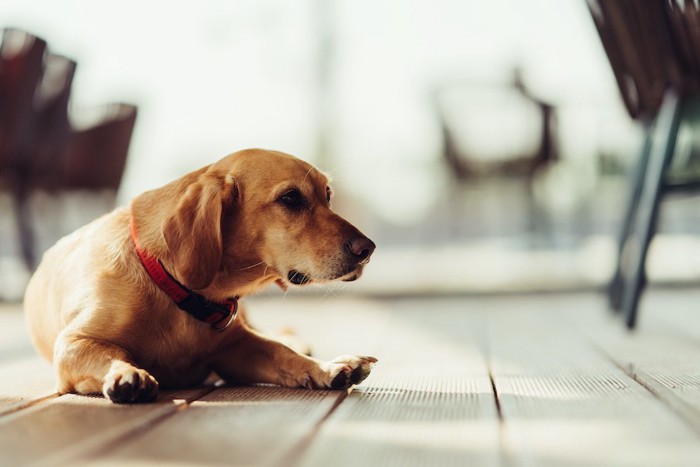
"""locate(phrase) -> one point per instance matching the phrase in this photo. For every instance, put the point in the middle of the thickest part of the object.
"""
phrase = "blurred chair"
(473, 120)
(96, 155)
(21, 69)
(39, 147)
(42, 154)
(52, 127)
(654, 50)
(464, 166)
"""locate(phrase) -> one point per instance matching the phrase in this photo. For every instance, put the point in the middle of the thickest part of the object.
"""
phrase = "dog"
(148, 295)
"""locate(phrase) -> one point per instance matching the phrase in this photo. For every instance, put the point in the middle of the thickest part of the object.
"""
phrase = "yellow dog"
(148, 295)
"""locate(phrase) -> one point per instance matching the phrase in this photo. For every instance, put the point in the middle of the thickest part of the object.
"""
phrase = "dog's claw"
(351, 370)
(133, 385)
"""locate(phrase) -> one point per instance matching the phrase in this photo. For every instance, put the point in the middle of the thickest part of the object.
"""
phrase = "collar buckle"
(210, 312)
(232, 315)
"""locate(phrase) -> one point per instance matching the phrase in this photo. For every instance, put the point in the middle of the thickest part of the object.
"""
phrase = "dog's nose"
(360, 248)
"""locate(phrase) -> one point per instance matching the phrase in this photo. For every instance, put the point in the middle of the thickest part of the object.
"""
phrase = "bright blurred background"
(429, 114)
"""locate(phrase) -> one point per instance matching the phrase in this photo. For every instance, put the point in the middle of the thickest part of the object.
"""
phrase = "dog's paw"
(350, 369)
(130, 384)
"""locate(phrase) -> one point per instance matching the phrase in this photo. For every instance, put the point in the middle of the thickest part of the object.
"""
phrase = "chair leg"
(616, 286)
(24, 225)
(662, 147)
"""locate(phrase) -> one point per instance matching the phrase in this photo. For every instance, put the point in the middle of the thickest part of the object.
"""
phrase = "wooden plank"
(564, 403)
(258, 425)
(110, 424)
(428, 402)
(65, 428)
(25, 382)
(662, 354)
(25, 378)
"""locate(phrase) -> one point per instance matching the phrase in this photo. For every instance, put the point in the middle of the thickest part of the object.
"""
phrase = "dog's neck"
(218, 314)
(240, 274)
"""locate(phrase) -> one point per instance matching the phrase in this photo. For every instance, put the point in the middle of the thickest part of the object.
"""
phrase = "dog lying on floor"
(148, 294)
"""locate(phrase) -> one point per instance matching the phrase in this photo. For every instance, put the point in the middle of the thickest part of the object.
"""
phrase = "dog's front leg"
(253, 358)
(89, 366)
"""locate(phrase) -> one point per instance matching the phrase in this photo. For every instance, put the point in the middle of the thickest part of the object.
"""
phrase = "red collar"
(219, 315)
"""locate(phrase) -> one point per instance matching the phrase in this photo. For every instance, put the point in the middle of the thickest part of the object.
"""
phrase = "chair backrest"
(52, 128)
(21, 68)
(684, 21)
(96, 155)
(651, 45)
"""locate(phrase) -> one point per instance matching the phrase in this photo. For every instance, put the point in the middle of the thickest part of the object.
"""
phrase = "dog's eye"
(328, 195)
(292, 199)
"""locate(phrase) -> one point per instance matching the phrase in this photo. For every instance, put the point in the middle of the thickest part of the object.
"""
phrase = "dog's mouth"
(351, 277)
(298, 278)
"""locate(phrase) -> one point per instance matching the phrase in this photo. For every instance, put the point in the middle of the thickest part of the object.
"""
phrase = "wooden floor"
(514, 380)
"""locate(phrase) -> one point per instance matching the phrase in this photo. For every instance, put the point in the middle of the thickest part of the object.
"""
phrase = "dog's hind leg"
(90, 366)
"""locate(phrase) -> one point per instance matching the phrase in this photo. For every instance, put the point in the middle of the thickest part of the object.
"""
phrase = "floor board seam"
(115, 438)
(28, 404)
(495, 396)
(687, 412)
(297, 451)
(504, 455)
(681, 409)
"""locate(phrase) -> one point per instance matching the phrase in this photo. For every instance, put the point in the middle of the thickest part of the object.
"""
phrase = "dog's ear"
(193, 234)
(186, 216)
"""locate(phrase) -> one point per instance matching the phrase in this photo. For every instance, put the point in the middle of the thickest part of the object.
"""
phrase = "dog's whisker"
(252, 266)
(331, 290)
(326, 293)
(307, 174)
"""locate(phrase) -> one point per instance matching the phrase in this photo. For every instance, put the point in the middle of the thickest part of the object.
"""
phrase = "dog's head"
(255, 216)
